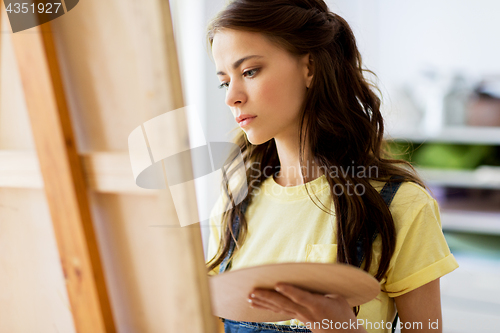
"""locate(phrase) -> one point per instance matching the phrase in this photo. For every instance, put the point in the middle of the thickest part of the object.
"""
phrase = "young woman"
(315, 165)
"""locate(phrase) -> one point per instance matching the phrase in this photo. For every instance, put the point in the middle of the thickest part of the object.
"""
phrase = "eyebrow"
(237, 63)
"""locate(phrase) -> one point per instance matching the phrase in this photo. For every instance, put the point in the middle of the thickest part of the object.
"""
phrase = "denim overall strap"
(226, 263)
(388, 192)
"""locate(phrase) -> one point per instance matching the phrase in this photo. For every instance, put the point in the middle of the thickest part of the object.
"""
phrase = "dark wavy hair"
(346, 129)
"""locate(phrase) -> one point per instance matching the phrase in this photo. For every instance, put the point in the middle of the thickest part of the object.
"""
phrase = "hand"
(318, 312)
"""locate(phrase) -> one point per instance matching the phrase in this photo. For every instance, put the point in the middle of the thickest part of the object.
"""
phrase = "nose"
(235, 94)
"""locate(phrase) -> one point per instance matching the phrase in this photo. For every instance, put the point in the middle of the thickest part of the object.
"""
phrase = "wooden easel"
(120, 274)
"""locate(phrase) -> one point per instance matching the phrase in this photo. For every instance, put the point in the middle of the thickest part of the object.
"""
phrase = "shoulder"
(408, 192)
(412, 195)
(411, 202)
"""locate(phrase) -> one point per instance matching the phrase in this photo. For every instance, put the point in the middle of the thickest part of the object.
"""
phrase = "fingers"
(301, 304)
(297, 295)
(262, 304)
(271, 298)
(255, 303)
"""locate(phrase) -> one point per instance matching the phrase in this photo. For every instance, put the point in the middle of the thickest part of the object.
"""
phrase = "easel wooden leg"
(65, 187)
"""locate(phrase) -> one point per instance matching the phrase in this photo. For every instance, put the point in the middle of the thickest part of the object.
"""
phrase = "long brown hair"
(346, 129)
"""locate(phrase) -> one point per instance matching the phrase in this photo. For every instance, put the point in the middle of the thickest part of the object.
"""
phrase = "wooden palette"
(230, 290)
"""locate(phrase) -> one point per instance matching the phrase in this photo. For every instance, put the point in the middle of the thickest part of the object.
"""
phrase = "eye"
(223, 84)
(249, 73)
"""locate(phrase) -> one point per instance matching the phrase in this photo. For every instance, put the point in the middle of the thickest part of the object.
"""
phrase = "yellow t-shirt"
(284, 225)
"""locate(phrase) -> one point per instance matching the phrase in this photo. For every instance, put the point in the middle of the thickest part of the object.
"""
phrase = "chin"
(256, 140)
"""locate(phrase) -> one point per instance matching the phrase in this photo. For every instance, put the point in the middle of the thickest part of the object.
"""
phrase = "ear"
(308, 68)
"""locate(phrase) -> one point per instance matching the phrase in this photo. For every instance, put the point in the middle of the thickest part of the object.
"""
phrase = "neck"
(290, 171)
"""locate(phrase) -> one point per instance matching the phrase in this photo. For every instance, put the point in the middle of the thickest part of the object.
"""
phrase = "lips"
(242, 117)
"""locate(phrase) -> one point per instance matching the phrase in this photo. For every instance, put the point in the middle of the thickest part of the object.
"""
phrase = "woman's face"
(262, 80)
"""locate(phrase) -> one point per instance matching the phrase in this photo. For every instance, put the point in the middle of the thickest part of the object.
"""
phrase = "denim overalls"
(231, 326)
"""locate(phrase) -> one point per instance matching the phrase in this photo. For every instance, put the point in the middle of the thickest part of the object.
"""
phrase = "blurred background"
(438, 68)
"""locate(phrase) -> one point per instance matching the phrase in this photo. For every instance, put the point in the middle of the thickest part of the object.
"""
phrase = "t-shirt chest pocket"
(324, 253)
